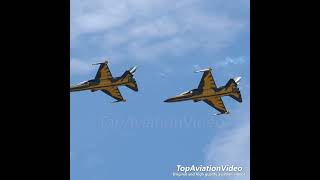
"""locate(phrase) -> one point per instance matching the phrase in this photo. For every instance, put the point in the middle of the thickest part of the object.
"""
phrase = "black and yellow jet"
(107, 84)
(208, 92)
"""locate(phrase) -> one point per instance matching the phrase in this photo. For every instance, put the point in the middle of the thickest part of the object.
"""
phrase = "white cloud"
(166, 71)
(149, 29)
(232, 61)
(232, 147)
(78, 67)
(196, 67)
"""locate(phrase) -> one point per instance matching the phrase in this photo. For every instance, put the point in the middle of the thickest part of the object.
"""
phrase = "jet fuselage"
(199, 95)
(95, 85)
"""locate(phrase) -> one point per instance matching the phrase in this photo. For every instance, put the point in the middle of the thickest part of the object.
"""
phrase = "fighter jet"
(105, 82)
(208, 92)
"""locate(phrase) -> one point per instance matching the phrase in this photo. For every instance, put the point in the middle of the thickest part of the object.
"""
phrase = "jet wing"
(217, 103)
(113, 92)
(207, 81)
(104, 72)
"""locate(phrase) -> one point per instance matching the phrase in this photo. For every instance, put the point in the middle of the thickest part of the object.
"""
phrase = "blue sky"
(146, 138)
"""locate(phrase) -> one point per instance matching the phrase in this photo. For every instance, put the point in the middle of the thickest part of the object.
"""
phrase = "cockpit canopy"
(187, 92)
(193, 91)
(83, 83)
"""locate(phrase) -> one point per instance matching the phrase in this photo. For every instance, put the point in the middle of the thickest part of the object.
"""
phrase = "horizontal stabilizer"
(236, 96)
(132, 85)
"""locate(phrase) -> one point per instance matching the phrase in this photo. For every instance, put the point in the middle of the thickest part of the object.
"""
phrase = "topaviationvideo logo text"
(210, 170)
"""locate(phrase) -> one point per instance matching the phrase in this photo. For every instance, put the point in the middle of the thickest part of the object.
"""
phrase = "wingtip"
(218, 114)
(124, 100)
(203, 70)
(105, 62)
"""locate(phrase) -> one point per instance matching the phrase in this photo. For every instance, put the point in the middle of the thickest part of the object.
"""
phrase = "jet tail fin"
(128, 76)
(232, 87)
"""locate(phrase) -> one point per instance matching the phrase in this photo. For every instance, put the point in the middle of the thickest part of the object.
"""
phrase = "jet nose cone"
(169, 100)
(72, 88)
